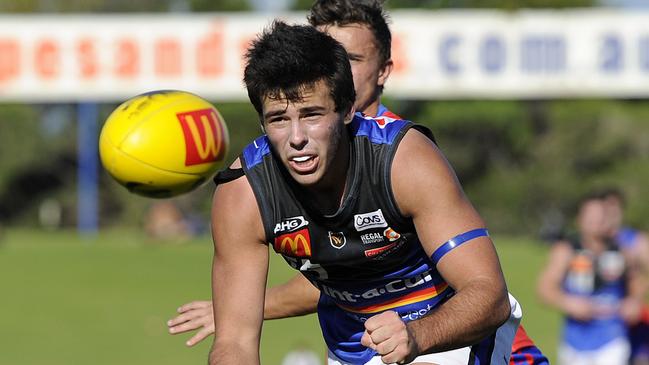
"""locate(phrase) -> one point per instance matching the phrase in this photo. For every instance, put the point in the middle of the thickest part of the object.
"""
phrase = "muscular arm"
(440, 211)
(239, 273)
(296, 297)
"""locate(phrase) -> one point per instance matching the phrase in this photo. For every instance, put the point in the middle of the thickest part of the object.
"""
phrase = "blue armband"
(456, 241)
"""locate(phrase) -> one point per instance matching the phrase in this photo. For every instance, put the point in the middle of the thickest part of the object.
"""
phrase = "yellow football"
(163, 143)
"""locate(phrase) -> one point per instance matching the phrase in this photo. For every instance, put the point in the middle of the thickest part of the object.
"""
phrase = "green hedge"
(524, 164)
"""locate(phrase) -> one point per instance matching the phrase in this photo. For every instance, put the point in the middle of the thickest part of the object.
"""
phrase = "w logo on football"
(203, 136)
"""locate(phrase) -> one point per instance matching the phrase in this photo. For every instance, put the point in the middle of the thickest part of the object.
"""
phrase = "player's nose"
(298, 137)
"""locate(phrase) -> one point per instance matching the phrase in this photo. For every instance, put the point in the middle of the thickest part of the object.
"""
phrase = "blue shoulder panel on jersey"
(456, 241)
(254, 152)
(380, 130)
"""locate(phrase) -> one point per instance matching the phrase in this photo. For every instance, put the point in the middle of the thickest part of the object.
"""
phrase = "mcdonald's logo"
(204, 139)
(296, 244)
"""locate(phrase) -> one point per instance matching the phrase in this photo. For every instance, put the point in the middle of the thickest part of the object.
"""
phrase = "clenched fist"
(388, 335)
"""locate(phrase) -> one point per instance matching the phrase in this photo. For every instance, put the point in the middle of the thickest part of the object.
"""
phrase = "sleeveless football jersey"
(602, 279)
(366, 258)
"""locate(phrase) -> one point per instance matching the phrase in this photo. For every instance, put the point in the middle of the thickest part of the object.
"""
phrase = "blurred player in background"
(595, 284)
(636, 243)
(362, 29)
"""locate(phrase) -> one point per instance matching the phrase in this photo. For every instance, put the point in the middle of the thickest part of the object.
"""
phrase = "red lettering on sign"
(209, 55)
(244, 44)
(46, 59)
(127, 59)
(399, 54)
(9, 59)
(88, 62)
(167, 57)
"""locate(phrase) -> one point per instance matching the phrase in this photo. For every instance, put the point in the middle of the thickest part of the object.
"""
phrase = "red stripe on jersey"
(521, 340)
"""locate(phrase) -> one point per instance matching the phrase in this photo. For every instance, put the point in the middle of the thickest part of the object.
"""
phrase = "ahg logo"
(203, 136)
(369, 220)
(296, 244)
(290, 224)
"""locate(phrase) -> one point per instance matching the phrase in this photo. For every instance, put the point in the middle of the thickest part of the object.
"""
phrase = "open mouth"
(304, 164)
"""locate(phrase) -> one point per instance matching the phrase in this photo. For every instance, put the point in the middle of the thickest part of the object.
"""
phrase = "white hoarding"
(445, 54)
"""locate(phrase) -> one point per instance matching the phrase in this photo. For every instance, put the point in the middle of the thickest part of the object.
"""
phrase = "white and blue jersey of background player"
(602, 279)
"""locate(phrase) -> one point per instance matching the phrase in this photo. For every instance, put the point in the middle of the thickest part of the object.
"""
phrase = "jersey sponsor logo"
(580, 278)
(290, 224)
(369, 220)
(381, 253)
(393, 286)
(337, 239)
(391, 234)
(296, 244)
(411, 315)
(369, 238)
(203, 136)
(376, 251)
(408, 316)
(611, 265)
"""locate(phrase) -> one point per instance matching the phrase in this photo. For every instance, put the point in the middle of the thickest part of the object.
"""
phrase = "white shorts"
(615, 352)
(496, 350)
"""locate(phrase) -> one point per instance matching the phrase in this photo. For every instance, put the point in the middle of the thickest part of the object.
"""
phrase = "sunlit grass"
(105, 300)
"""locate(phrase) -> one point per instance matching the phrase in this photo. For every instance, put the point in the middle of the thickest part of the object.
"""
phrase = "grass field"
(68, 300)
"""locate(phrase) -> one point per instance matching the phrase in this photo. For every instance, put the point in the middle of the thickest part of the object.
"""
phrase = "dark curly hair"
(285, 59)
(366, 12)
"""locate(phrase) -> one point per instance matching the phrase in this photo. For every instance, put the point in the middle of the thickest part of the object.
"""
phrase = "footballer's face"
(591, 219)
(309, 136)
(369, 73)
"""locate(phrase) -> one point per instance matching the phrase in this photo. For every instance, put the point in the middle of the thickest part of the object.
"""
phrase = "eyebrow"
(311, 109)
(305, 110)
(274, 113)
(354, 55)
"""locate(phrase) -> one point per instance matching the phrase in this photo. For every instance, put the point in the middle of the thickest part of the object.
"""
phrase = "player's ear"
(350, 115)
(384, 72)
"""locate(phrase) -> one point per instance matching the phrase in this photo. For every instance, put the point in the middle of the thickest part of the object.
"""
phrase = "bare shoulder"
(562, 247)
(235, 209)
(414, 144)
(426, 189)
(419, 167)
(560, 254)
